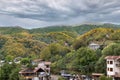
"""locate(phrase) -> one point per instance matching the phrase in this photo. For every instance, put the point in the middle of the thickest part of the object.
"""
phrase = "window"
(111, 62)
(107, 62)
(111, 69)
(47, 66)
(108, 69)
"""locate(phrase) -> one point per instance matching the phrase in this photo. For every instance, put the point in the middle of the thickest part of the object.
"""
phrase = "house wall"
(116, 70)
(42, 65)
(94, 47)
(109, 66)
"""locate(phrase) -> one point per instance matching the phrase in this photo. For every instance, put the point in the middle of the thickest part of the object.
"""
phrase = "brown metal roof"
(37, 60)
(112, 57)
(47, 63)
(28, 70)
(97, 74)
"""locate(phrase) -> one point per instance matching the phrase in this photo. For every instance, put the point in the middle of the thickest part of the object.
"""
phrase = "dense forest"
(65, 46)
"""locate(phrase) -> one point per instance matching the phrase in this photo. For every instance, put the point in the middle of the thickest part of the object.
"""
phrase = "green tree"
(25, 61)
(15, 74)
(84, 61)
(61, 78)
(105, 78)
(45, 54)
(54, 52)
(6, 70)
(112, 49)
(100, 65)
(13, 49)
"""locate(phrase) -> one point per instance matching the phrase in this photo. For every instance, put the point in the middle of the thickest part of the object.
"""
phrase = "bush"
(105, 78)
(61, 78)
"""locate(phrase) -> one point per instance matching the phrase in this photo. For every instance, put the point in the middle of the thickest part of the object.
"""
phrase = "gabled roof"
(112, 57)
(97, 74)
(93, 44)
(47, 63)
(27, 70)
(38, 68)
(31, 70)
(37, 60)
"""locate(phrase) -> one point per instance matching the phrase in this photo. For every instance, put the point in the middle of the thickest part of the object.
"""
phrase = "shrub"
(61, 78)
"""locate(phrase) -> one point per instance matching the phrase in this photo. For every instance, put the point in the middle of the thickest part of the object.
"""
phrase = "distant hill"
(12, 30)
(80, 29)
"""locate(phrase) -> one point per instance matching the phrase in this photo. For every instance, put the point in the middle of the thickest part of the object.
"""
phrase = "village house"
(2, 62)
(41, 72)
(37, 61)
(94, 46)
(113, 67)
(96, 76)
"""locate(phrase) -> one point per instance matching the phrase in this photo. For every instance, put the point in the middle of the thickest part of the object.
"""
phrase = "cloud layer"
(47, 12)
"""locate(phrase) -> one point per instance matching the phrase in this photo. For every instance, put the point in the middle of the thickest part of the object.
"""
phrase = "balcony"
(117, 74)
(118, 65)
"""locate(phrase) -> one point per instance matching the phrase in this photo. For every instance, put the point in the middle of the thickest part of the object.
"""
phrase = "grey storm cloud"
(55, 10)
(62, 10)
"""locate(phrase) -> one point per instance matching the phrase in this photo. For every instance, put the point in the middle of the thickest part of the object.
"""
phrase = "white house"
(45, 66)
(113, 67)
(94, 46)
(2, 62)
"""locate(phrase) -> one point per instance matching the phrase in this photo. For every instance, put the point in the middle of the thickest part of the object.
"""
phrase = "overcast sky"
(41, 13)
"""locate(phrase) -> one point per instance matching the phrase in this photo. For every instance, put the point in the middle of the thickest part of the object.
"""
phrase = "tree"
(85, 60)
(14, 75)
(103, 77)
(111, 49)
(80, 42)
(13, 49)
(61, 78)
(45, 54)
(25, 61)
(6, 70)
(115, 35)
(100, 65)
(54, 52)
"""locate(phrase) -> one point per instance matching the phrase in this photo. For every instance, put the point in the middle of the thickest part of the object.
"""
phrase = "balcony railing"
(118, 65)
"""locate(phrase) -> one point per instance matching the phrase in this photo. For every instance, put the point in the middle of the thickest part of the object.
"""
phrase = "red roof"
(112, 57)
(47, 63)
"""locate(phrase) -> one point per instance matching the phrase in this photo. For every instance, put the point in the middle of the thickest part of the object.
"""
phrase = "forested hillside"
(65, 46)
(80, 29)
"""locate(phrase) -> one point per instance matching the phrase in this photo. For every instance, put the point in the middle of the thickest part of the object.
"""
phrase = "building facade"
(94, 46)
(41, 72)
(113, 67)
